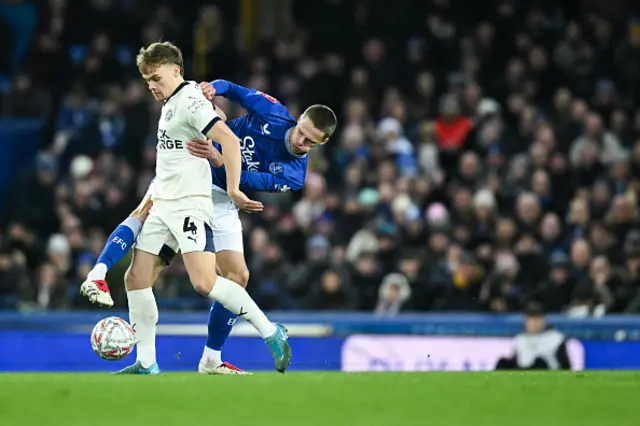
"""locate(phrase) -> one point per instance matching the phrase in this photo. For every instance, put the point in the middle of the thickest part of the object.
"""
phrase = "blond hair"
(157, 54)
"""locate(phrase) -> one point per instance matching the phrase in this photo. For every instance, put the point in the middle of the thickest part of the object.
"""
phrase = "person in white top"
(180, 218)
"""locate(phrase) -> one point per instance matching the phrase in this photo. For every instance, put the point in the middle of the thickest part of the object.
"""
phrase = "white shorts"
(177, 226)
(227, 227)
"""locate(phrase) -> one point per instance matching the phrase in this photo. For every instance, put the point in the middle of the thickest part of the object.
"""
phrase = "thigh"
(192, 231)
(227, 228)
(232, 264)
(144, 270)
(201, 268)
(156, 238)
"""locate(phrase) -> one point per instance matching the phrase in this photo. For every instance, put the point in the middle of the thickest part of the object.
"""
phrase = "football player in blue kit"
(274, 148)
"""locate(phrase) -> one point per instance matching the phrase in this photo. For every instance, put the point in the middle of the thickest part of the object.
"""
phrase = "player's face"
(162, 80)
(305, 136)
(534, 324)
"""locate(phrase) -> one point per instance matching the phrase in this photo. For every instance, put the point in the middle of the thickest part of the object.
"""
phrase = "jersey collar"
(184, 83)
(288, 145)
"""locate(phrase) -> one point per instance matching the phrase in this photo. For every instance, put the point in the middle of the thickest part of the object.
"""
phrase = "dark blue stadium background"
(488, 153)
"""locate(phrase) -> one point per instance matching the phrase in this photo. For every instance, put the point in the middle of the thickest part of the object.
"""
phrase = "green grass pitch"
(334, 399)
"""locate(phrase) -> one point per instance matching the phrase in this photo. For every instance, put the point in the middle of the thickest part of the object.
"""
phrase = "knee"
(203, 281)
(203, 286)
(240, 276)
(133, 280)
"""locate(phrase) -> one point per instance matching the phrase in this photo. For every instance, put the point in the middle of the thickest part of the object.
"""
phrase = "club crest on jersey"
(276, 168)
(168, 115)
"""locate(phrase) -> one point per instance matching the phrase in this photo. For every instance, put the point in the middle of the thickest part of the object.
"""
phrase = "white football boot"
(210, 366)
(97, 291)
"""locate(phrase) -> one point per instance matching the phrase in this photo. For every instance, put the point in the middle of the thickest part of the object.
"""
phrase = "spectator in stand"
(394, 293)
(489, 163)
(452, 130)
(25, 101)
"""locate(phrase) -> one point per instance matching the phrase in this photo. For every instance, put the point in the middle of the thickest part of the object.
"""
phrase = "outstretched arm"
(263, 181)
(202, 116)
(204, 149)
(220, 113)
(251, 180)
(252, 100)
(231, 146)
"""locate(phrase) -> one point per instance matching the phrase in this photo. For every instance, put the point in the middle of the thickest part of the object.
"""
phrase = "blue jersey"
(268, 163)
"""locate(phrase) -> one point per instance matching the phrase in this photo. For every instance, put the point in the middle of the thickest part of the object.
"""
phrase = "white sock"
(236, 299)
(99, 272)
(143, 316)
(213, 355)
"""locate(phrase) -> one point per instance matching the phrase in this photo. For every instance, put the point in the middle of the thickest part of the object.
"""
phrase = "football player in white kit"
(181, 216)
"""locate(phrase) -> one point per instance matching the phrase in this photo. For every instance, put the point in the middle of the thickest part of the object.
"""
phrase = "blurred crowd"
(488, 153)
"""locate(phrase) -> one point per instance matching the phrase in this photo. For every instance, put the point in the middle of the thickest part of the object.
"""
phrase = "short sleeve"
(201, 113)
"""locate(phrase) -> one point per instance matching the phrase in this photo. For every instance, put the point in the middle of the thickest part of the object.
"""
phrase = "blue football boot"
(137, 368)
(279, 348)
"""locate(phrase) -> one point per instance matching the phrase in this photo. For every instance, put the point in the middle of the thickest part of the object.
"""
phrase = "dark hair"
(157, 54)
(411, 254)
(533, 309)
(323, 118)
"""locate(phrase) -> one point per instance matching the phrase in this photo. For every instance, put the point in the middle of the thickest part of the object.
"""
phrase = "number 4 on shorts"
(189, 226)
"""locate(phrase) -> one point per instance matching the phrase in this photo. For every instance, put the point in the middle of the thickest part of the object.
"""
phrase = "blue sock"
(221, 321)
(119, 242)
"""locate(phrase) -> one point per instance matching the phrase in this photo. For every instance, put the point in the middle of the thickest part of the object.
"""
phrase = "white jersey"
(186, 114)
